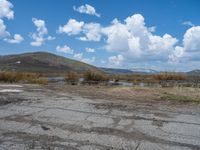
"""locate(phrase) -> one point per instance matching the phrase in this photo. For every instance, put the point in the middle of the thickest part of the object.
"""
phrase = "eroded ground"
(90, 117)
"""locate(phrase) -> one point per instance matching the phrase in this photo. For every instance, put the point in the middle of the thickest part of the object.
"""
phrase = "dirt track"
(38, 117)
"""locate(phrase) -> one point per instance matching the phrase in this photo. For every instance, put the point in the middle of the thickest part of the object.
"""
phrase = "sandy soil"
(95, 117)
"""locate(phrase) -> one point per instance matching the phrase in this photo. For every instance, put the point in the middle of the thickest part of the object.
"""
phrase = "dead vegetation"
(95, 76)
(181, 94)
(72, 77)
(165, 76)
(139, 94)
(180, 98)
(15, 77)
(149, 78)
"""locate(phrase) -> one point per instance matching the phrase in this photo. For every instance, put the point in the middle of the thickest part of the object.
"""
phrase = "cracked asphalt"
(37, 117)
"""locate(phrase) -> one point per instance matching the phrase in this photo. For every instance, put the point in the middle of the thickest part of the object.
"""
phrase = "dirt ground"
(126, 93)
(63, 117)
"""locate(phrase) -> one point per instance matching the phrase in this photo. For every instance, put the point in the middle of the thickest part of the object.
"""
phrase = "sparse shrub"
(94, 76)
(72, 77)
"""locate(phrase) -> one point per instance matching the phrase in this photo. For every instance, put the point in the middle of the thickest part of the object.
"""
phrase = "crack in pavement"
(133, 135)
(49, 141)
(135, 117)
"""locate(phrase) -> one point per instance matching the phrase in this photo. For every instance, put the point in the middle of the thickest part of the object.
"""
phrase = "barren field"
(98, 117)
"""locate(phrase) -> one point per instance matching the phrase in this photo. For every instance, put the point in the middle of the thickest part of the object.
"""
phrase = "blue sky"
(161, 35)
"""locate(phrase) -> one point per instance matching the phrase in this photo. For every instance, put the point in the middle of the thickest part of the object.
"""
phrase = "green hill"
(42, 62)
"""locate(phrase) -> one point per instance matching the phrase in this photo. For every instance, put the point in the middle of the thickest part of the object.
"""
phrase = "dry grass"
(137, 94)
(164, 76)
(95, 76)
(175, 94)
(181, 94)
(72, 76)
(169, 76)
(150, 79)
(13, 77)
(180, 98)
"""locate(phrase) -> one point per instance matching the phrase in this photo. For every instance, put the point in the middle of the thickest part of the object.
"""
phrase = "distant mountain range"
(194, 72)
(144, 71)
(129, 71)
(44, 62)
(116, 71)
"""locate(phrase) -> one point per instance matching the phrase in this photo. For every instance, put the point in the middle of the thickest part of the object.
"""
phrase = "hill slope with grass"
(42, 62)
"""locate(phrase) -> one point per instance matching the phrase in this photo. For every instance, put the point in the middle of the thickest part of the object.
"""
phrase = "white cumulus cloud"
(131, 38)
(164, 43)
(3, 32)
(89, 50)
(116, 60)
(188, 23)
(6, 9)
(176, 54)
(72, 27)
(92, 32)
(191, 46)
(191, 39)
(117, 36)
(65, 49)
(78, 56)
(39, 36)
(86, 9)
(7, 12)
(88, 60)
(15, 40)
(134, 41)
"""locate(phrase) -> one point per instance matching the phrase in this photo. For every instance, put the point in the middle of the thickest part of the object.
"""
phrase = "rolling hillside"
(42, 62)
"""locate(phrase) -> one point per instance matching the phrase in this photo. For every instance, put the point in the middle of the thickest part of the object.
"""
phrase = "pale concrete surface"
(32, 117)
